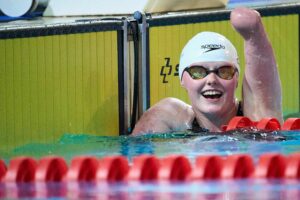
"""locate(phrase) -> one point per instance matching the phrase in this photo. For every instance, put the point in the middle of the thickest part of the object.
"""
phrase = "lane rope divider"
(151, 168)
(268, 124)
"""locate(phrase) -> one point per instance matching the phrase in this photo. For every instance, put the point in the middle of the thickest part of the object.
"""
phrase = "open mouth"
(212, 94)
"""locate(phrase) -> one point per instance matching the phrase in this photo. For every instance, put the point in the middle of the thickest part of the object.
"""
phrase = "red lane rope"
(174, 168)
(271, 165)
(144, 168)
(51, 168)
(21, 169)
(293, 166)
(291, 124)
(112, 169)
(2, 169)
(238, 166)
(239, 122)
(207, 167)
(83, 168)
(270, 124)
(151, 168)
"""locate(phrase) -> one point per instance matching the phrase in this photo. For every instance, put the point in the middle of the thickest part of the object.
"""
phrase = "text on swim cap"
(211, 47)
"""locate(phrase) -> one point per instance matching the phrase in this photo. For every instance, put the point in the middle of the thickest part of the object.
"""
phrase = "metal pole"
(142, 24)
(126, 77)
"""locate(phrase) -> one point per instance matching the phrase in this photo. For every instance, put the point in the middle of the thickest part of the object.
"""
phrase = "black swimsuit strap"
(240, 110)
(197, 128)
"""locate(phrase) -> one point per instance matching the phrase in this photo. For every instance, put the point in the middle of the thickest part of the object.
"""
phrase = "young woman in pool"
(209, 71)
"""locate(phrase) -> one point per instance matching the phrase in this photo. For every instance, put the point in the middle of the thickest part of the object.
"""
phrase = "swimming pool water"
(189, 144)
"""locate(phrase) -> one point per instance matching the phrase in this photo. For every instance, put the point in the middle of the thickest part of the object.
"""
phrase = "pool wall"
(77, 76)
(57, 79)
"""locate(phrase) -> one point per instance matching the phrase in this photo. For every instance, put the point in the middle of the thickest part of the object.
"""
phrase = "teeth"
(211, 92)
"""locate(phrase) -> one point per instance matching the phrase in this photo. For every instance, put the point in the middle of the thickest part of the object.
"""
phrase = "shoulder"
(172, 103)
(173, 109)
(169, 114)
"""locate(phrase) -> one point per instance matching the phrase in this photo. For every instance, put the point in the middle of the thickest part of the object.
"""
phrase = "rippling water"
(189, 144)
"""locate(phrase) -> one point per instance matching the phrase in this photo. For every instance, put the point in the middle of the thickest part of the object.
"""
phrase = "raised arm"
(261, 84)
(169, 114)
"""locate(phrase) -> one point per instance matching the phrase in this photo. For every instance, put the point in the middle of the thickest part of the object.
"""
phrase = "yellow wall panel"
(283, 34)
(57, 106)
(86, 70)
(168, 41)
(3, 137)
(52, 85)
(34, 67)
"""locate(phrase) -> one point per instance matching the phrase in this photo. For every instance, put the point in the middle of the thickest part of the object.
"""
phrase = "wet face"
(211, 94)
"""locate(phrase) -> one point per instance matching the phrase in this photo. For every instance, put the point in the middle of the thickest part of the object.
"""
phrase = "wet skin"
(212, 97)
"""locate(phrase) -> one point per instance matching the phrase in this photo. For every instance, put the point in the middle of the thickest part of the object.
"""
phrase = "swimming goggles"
(199, 72)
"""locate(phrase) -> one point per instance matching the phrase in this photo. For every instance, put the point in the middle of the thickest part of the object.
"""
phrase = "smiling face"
(211, 94)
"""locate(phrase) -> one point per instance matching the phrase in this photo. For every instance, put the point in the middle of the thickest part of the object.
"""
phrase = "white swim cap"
(207, 47)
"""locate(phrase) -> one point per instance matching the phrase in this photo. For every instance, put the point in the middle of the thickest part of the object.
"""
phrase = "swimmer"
(209, 71)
